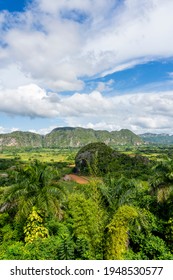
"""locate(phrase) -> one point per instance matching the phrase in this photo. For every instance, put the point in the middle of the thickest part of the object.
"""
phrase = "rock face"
(66, 137)
(21, 139)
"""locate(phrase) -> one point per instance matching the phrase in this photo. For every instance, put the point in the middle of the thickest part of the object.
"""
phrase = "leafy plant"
(35, 227)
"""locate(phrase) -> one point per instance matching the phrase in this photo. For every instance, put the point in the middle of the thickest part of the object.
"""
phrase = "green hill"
(99, 159)
(79, 137)
(66, 137)
(21, 139)
(163, 138)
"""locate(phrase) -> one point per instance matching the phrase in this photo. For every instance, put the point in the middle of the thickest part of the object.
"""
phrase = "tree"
(87, 221)
(117, 233)
(162, 187)
(163, 174)
(126, 191)
(35, 185)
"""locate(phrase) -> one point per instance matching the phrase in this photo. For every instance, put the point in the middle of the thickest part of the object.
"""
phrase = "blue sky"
(103, 65)
(153, 74)
(13, 6)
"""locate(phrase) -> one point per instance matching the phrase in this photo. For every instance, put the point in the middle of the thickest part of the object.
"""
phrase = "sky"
(102, 64)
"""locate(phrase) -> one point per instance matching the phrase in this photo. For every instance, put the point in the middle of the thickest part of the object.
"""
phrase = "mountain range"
(65, 137)
(162, 138)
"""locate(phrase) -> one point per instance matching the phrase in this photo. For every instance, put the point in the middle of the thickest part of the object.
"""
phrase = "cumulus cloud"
(29, 100)
(59, 42)
(12, 77)
(7, 130)
(43, 131)
(138, 112)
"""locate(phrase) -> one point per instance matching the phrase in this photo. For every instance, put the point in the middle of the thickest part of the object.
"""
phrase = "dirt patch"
(78, 179)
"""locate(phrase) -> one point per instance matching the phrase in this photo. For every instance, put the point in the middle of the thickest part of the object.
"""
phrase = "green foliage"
(155, 248)
(124, 212)
(35, 227)
(7, 232)
(83, 248)
(98, 159)
(66, 248)
(7, 229)
(39, 249)
(94, 158)
(169, 233)
(35, 185)
(13, 251)
(4, 218)
(117, 233)
(87, 220)
(123, 190)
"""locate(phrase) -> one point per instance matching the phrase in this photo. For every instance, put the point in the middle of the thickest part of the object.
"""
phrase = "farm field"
(44, 155)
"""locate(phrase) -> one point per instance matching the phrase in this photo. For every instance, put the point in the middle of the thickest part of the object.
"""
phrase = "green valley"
(85, 203)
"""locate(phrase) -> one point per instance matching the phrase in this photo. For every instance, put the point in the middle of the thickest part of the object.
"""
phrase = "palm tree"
(163, 174)
(35, 185)
(125, 191)
(162, 186)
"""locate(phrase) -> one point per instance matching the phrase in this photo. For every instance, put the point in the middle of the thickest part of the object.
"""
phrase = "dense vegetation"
(124, 212)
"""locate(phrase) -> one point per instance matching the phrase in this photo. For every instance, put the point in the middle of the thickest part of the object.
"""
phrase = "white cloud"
(97, 9)
(57, 52)
(12, 77)
(56, 44)
(105, 86)
(124, 66)
(43, 131)
(138, 112)
(29, 100)
(7, 130)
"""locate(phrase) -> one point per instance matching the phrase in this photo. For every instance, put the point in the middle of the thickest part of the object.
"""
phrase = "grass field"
(45, 155)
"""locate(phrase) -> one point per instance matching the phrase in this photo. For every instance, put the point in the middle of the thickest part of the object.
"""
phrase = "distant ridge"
(64, 128)
(66, 137)
(162, 138)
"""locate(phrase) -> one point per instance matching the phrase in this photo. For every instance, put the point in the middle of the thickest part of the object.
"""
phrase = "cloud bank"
(138, 112)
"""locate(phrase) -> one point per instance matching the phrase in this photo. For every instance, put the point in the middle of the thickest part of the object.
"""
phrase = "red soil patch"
(78, 179)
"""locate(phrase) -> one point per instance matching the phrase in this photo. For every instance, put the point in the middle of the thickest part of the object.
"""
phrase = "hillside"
(78, 137)
(21, 139)
(163, 138)
(69, 137)
(98, 158)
